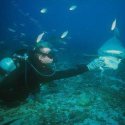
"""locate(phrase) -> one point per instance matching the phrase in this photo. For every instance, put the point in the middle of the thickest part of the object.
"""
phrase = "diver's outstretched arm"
(79, 69)
(66, 73)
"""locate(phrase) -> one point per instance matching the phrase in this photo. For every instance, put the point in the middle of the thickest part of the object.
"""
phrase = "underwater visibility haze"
(77, 31)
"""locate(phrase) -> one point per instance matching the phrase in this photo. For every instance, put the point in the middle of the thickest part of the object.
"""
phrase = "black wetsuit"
(24, 80)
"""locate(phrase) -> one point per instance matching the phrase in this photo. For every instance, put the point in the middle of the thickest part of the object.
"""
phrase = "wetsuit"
(24, 80)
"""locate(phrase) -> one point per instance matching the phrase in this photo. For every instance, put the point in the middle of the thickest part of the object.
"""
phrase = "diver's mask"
(44, 55)
(44, 63)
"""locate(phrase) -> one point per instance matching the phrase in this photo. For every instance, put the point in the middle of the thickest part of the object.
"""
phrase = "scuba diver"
(23, 72)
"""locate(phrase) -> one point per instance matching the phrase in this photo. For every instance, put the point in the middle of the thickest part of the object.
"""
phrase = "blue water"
(88, 25)
(93, 98)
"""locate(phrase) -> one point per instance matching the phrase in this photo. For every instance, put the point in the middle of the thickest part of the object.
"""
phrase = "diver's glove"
(111, 62)
(96, 64)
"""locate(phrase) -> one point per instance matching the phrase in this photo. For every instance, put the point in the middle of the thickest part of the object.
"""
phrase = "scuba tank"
(7, 64)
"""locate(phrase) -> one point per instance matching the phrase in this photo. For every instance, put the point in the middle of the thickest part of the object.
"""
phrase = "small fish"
(64, 43)
(73, 7)
(11, 30)
(33, 20)
(22, 24)
(114, 51)
(40, 36)
(44, 10)
(55, 50)
(64, 34)
(22, 34)
(113, 25)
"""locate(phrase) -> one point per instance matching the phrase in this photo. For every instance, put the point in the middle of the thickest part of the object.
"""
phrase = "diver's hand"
(111, 62)
(96, 64)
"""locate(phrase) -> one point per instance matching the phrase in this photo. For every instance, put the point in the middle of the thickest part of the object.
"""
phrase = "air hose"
(41, 74)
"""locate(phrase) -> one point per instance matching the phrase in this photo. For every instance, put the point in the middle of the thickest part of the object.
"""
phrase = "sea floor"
(87, 99)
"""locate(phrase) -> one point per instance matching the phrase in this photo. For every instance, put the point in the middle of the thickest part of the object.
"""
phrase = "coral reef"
(74, 101)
